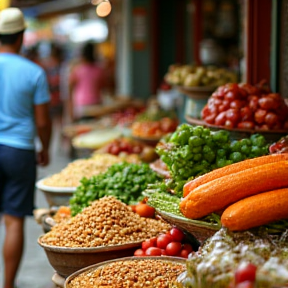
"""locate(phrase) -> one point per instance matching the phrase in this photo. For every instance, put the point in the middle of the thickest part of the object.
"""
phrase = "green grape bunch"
(192, 151)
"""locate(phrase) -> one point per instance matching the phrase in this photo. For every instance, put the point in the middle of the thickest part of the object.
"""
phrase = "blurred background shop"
(139, 39)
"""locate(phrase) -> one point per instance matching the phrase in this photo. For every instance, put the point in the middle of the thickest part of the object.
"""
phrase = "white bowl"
(56, 196)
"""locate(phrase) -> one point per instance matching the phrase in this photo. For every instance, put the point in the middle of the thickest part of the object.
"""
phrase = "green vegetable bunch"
(125, 181)
(194, 150)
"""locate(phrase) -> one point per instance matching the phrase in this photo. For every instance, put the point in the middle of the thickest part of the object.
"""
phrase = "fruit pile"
(195, 76)
(246, 107)
(194, 150)
(280, 146)
(170, 244)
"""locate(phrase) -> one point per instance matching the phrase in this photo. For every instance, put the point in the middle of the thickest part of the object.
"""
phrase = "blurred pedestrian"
(86, 82)
(24, 113)
(52, 66)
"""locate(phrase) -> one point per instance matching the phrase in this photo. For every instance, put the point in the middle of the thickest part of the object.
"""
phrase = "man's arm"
(44, 130)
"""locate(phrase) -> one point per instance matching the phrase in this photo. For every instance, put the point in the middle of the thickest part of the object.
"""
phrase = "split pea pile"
(106, 222)
(130, 274)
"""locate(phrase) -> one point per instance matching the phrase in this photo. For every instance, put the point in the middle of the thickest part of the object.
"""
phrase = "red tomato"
(188, 247)
(220, 119)
(211, 118)
(233, 115)
(268, 103)
(184, 253)
(237, 104)
(246, 125)
(163, 240)
(173, 248)
(139, 252)
(177, 234)
(224, 106)
(163, 252)
(144, 210)
(246, 114)
(205, 112)
(245, 273)
(229, 124)
(114, 149)
(259, 116)
(253, 102)
(153, 251)
(250, 89)
(271, 119)
(148, 243)
(231, 95)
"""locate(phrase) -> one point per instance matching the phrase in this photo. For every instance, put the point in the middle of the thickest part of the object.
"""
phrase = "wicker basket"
(199, 229)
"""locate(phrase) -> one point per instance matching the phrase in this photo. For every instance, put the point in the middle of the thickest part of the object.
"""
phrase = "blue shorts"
(17, 181)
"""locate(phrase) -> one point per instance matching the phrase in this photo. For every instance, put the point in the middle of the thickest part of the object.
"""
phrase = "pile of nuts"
(106, 222)
(154, 273)
(71, 175)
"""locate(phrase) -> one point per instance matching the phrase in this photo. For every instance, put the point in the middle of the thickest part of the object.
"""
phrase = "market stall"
(206, 196)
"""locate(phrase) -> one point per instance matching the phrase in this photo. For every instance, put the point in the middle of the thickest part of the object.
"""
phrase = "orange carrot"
(256, 210)
(229, 169)
(222, 192)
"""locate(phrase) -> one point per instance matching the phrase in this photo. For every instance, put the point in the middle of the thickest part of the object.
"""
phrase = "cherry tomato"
(153, 251)
(177, 234)
(245, 273)
(173, 248)
(163, 240)
(139, 252)
(231, 95)
(224, 106)
(148, 243)
(188, 247)
(144, 210)
(184, 253)
(114, 150)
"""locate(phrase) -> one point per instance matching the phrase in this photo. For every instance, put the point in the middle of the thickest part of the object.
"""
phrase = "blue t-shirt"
(23, 84)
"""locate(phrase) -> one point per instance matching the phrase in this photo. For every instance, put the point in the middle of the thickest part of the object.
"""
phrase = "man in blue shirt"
(24, 114)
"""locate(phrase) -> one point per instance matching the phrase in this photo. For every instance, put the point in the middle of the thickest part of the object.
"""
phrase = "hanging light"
(103, 7)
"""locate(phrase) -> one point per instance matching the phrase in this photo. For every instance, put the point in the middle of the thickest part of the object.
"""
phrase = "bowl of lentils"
(107, 229)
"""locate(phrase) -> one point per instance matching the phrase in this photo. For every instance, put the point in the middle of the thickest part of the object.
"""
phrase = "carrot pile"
(248, 194)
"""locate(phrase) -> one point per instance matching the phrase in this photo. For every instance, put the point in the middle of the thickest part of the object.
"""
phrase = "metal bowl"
(56, 196)
(102, 264)
(67, 260)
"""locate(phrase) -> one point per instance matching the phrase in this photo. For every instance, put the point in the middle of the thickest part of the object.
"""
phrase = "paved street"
(36, 272)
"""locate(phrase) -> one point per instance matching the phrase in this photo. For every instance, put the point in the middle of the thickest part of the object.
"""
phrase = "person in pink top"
(86, 82)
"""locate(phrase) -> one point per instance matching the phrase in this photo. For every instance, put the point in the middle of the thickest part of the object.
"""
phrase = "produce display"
(192, 151)
(246, 107)
(281, 146)
(105, 222)
(172, 243)
(134, 273)
(228, 259)
(71, 175)
(269, 175)
(124, 146)
(198, 76)
(125, 181)
(154, 123)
